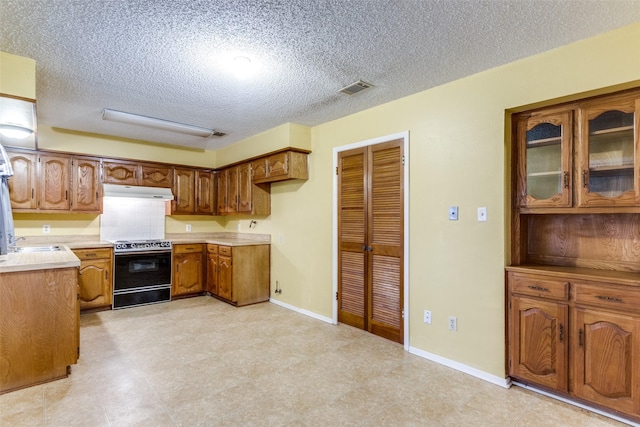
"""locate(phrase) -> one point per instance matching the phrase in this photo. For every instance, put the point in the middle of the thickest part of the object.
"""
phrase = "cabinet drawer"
(187, 249)
(100, 253)
(212, 249)
(225, 250)
(539, 286)
(607, 296)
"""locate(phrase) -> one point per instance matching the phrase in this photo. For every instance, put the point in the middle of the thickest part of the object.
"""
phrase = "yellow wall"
(17, 76)
(457, 156)
(286, 135)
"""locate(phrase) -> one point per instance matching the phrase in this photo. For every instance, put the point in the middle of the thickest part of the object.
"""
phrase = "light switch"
(482, 214)
(453, 213)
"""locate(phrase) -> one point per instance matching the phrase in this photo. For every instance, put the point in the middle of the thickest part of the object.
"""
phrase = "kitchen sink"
(29, 249)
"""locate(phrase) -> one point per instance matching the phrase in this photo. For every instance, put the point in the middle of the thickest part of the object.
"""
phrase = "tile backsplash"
(132, 219)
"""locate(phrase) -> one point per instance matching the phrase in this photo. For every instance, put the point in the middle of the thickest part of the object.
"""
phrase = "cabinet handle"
(364, 247)
(32, 193)
(561, 332)
(66, 195)
(106, 274)
(584, 178)
(566, 179)
(606, 298)
(538, 288)
(90, 254)
(370, 248)
(580, 338)
(96, 195)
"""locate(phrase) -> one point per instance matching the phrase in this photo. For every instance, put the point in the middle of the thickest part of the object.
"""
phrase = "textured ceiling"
(169, 58)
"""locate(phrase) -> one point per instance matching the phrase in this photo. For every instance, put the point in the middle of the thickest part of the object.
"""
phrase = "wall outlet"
(46, 228)
(482, 214)
(427, 317)
(453, 213)
(188, 227)
(453, 323)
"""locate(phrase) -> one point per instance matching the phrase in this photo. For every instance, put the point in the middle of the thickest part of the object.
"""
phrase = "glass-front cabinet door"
(544, 169)
(608, 152)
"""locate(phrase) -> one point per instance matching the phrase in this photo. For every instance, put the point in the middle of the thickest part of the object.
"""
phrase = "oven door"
(142, 269)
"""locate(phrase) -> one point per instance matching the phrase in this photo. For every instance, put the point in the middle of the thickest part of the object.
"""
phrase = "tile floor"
(200, 362)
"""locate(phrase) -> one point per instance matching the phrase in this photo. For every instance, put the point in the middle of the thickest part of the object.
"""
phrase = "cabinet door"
(223, 188)
(607, 359)
(260, 169)
(85, 194)
(184, 191)
(156, 176)
(279, 165)
(22, 185)
(54, 180)
(544, 162)
(225, 285)
(188, 274)
(244, 188)
(538, 341)
(608, 154)
(120, 173)
(232, 190)
(212, 273)
(205, 201)
(95, 283)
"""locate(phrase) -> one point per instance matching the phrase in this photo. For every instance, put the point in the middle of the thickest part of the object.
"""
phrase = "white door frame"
(405, 137)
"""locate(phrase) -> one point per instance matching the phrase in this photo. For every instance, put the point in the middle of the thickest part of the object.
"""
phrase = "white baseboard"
(578, 404)
(502, 382)
(302, 311)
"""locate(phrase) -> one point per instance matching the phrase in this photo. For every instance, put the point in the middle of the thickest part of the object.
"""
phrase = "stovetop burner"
(141, 245)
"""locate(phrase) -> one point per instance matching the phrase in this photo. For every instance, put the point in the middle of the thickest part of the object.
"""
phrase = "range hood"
(137, 192)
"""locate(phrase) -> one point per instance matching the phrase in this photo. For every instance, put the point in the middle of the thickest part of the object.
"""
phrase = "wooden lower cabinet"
(188, 269)
(39, 326)
(580, 338)
(239, 275)
(95, 277)
(539, 346)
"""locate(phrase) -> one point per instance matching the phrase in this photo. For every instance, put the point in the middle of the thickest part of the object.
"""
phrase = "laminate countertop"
(93, 241)
(29, 261)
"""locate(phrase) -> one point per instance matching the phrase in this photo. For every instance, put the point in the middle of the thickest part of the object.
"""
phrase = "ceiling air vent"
(356, 87)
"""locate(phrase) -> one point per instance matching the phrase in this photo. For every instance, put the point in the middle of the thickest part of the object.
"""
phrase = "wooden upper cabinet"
(205, 192)
(237, 194)
(22, 185)
(544, 143)
(136, 173)
(281, 166)
(222, 186)
(86, 190)
(123, 173)
(244, 188)
(184, 191)
(54, 181)
(608, 151)
(156, 175)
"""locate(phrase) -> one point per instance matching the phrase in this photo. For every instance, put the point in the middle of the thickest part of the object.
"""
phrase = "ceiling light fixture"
(15, 131)
(17, 117)
(152, 122)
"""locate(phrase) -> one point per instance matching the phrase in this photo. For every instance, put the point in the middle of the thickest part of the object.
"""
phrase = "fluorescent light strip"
(135, 119)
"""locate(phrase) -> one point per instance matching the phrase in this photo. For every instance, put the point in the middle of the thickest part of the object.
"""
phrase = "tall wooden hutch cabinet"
(573, 286)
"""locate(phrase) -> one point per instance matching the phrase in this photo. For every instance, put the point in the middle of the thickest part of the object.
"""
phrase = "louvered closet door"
(351, 237)
(385, 215)
(371, 241)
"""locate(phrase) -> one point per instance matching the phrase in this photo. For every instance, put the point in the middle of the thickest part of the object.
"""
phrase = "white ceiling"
(166, 58)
